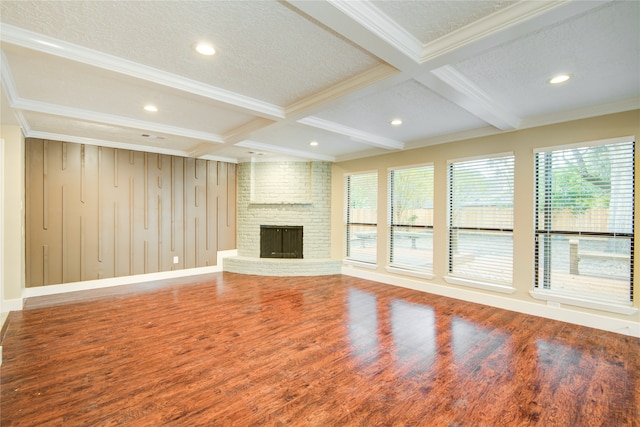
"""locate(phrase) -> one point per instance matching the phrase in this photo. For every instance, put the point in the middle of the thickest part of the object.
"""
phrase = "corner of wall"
(12, 236)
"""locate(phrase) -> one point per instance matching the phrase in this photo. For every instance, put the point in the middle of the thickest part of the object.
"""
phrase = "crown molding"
(110, 119)
(199, 150)
(6, 79)
(620, 106)
(520, 17)
(10, 92)
(219, 158)
(470, 97)
(104, 143)
(244, 131)
(378, 23)
(628, 104)
(122, 145)
(283, 150)
(453, 137)
(354, 134)
(49, 45)
(310, 104)
(359, 155)
(22, 122)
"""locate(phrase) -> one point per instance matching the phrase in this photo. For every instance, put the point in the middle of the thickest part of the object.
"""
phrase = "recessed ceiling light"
(313, 143)
(150, 107)
(560, 78)
(396, 122)
(205, 49)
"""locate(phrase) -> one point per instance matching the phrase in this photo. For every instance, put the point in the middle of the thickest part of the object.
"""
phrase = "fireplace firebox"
(280, 241)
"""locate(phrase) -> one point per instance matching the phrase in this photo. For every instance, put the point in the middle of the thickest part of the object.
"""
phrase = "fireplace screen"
(280, 241)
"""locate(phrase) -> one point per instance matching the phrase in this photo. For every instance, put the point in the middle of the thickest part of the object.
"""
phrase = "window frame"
(469, 281)
(348, 258)
(399, 267)
(542, 288)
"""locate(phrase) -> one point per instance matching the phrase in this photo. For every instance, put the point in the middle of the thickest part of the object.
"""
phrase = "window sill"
(620, 308)
(487, 286)
(360, 264)
(409, 272)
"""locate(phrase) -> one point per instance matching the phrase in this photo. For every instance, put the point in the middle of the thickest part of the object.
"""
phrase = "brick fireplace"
(275, 194)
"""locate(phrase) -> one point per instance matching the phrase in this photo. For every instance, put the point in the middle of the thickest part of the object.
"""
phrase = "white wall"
(12, 195)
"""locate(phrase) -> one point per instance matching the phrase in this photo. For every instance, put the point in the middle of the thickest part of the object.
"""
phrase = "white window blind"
(361, 216)
(411, 218)
(584, 221)
(481, 219)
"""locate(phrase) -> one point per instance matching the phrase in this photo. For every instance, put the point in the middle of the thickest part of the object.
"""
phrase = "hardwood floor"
(242, 350)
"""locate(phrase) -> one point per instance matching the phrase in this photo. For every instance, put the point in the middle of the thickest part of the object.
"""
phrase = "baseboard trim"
(563, 314)
(124, 280)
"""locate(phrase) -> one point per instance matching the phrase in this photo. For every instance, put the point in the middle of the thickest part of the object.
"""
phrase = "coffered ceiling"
(286, 73)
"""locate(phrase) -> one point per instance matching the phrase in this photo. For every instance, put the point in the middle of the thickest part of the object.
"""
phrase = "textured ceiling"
(510, 76)
(429, 20)
(289, 72)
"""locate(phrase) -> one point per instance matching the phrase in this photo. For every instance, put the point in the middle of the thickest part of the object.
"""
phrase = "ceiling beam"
(260, 146)
(355, 134)
(454, 86)
(431, 64)
(52, 46)
(365, 25)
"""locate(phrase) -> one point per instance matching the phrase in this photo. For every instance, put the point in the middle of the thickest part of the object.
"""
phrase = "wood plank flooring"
(241, 350)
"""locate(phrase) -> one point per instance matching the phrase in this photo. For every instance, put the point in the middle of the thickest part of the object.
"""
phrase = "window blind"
(411, 217)
(481, 219)
(584, 220)
(361, 216)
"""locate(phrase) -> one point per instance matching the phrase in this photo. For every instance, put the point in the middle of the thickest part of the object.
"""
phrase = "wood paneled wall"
(95, 212)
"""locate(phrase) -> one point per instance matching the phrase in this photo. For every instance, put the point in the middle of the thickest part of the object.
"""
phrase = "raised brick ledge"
(282, 267)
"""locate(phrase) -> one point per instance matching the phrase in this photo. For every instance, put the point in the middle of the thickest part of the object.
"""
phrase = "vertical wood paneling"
(196, 239)
(207, 203)
(45, 186)
(185, 223)
(173, 204)
(115, 167)
(160, 251)
(131, 220)
(45, 264)
(115, 239)
(64, 237)
(29, 257)
(226, 206)
(146, 191)
(100, 229)
(82, 225)
(82, 174)
(82, 249)
(64, 156)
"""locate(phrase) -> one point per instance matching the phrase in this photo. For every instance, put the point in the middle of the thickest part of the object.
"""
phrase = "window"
(411, 218)
(481, 220)
(584, 220)
(361, 216)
